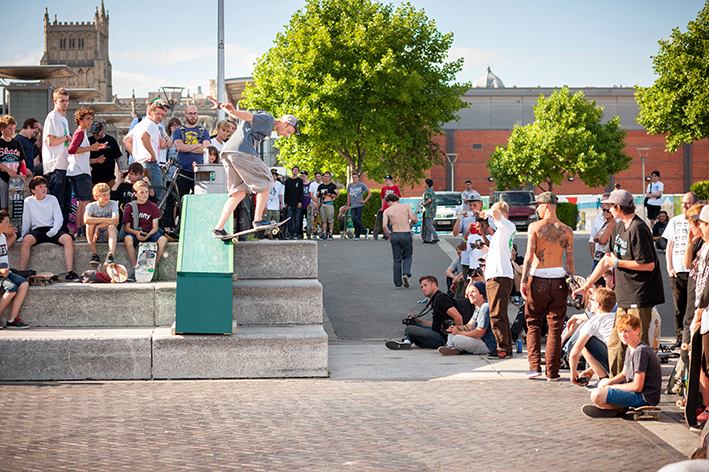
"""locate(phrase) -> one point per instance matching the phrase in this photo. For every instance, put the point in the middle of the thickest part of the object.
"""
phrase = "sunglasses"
(606, 210)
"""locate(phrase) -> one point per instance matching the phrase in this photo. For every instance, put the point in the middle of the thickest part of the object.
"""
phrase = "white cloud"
(25, 59)
(236, 56)
(125, 82)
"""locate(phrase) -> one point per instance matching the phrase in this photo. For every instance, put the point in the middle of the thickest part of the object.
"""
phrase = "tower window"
(81, 43)
(62, 43)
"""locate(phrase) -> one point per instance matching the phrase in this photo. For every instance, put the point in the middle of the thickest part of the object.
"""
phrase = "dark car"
(521, 203)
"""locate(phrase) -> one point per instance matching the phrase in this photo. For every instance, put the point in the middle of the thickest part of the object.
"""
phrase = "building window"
(62, 43)
(81, 43)
(72, 43)
(477, 146)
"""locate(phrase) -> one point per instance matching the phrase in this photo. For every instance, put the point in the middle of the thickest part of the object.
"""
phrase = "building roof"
(488, 80)
(56, 71)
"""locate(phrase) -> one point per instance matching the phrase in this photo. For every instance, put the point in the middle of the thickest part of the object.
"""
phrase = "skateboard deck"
(145, 268)
(647, 410)
(45, 278)
(695, 364)
(274, 228)
(116, 272)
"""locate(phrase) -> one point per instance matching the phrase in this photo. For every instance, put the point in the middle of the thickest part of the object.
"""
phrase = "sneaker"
(131, 278)
(448, 351)
(406, 281)
(399, 287)
(71, 275)
(220, 234)
(595, 412)
(16, 324)
(533, 374)
(262, 223)
(498, 355)
(110, 260)
(356, 239)
(95, 261)
(555, 379)
(703, 417)
(396, 345)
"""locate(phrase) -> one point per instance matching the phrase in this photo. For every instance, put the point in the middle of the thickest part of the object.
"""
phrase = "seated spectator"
(476, 336)
(102, 217)
(122, 191)
(658, 229)
(430, 334)
(42, 222)
(517, 264)
(146, 229)
(638, 384)
(14, 286)
(593, 337)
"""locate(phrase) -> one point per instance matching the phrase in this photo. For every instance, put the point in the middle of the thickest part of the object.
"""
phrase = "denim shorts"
(11, 282)
(152, 239)
(81, 184)
(624, 398)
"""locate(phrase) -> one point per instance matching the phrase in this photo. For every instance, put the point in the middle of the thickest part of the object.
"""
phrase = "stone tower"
(83, 46)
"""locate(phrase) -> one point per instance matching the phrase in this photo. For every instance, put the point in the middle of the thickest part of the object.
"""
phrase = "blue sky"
(526, 43)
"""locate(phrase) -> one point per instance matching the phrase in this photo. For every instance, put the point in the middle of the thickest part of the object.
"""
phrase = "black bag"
(23, 273)
(645, 201)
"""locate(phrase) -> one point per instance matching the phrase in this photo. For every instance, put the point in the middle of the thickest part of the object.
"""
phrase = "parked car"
(522, 207)
(448, 209)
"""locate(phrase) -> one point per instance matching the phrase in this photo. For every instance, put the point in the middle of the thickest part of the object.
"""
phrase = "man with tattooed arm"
(544, 286)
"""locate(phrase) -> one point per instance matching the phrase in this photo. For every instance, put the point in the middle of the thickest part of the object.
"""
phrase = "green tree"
(369, 83)
(566, 139)
(676, 103)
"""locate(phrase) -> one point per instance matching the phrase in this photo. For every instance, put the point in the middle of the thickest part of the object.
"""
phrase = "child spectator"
(79, 170)
(102, 219)
(15, 287)
(122, 191)
(213, 155)
(147, 229)
(638, 384)
(42, 222)
(11, 156)
(592, 340)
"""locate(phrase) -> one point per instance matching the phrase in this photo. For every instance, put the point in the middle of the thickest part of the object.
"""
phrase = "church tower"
(83, 46)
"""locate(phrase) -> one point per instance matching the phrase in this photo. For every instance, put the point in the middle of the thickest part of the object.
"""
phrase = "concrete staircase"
(122, 331)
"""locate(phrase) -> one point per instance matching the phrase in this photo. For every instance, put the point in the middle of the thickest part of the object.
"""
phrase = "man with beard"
(190, 141)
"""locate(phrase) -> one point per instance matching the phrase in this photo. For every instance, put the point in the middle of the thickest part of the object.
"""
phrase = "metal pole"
(221, 96)
(643, 155)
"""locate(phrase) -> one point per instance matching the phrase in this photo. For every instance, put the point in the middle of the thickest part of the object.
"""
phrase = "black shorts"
(653, 211)
(40, 234)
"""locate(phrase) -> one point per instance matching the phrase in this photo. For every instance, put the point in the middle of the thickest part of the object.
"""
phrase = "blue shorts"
(10, 283)
(152, 239)
(624, 398)
(82, 186)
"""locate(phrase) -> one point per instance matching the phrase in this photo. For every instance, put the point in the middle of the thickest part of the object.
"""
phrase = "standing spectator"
(428, 232)
(190, 141)
(388, 188)
(79, 170)
(654, 197)
(293, 200)
(637, 271)
(103, 161)
(31, 130)
(676, 234)
(402, 244)
(596, 225)
(658, 229)
(462, 223)
(544, 286)
(466, 194)
(172, 125)
(356, 202)
(306, 206)
(499, 278)
(600, 238)
(313, 207)
(55, 154)
(274, 204)
(11, 156)
(327, 193)
(223, 129)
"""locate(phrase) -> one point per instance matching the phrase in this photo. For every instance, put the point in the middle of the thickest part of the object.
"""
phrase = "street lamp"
(452, 157)
(643, 152)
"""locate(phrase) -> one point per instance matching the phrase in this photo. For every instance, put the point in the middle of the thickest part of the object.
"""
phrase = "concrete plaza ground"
(379, 410)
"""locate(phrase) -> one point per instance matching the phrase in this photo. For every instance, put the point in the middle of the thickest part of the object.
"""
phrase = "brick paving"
(318, 425)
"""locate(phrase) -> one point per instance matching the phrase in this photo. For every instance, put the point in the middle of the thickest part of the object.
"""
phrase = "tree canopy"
(566, 139)
(676, 103)
(369, 84)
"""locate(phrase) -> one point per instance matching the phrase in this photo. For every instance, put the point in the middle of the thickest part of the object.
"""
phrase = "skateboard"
(695, 365)
(145, 268)
(16, 192)
(45, 278)
(116, 272)
(274, 228)
(377, 224)
(646, 410)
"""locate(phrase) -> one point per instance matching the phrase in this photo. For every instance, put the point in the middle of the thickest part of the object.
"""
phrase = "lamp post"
(643, 152)
(452, 157)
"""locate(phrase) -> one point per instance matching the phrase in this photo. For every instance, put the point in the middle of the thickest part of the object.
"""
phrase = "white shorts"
(245, 172)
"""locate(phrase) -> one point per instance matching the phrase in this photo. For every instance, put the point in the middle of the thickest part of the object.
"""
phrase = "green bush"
(369, 215)
(568, 213)
(701, 189)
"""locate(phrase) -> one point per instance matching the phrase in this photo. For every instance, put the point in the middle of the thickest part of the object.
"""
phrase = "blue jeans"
(624, 398)
(599, 351)
(295, 214)
(357, 220)
(424, 336)
(155, 177)
(430, 234)
(402, 250)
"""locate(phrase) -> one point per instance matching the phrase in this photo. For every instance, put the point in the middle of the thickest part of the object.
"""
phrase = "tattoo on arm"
(531, 249)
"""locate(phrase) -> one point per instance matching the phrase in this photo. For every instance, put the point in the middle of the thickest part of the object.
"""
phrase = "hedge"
(369, 215)
(701, 189)
(568, 213)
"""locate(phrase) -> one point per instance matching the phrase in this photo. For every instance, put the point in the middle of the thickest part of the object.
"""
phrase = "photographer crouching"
(430, 334)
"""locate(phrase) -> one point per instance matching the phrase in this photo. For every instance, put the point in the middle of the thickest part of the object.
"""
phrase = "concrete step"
(140, 353)
(252, 259)
(255, 302)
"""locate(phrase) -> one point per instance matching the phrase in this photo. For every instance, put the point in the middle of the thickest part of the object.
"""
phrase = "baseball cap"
(619, 197)
(96, 127)
(293, 121)
(389, 177)
(703, 215)
(160, 101)
(475, 197)
(547, 197)
(303, 172)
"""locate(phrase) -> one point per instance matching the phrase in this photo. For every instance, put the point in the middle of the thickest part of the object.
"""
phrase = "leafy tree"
(369, 84)
(566, 139)
(676, 103)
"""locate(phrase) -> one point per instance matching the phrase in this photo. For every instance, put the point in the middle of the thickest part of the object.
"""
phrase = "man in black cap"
(103, 161)
(637, 271)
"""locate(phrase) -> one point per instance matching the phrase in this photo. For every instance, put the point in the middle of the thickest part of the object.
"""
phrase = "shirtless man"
(401, 218)
(544, 286)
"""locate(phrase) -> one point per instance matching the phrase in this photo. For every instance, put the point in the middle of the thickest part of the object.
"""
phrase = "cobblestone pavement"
(318, 425)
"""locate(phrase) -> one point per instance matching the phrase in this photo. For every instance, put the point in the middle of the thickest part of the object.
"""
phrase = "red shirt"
(386, 191)
(147, 212)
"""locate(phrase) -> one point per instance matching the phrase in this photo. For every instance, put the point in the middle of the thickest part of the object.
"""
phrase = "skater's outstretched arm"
(231, 110)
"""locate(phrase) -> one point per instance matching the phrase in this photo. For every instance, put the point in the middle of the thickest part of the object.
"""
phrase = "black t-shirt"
(293, 192)
(658, 229)
(636, 289)
(441, 303)
(11, 155)
(104, 172)
(324, 189)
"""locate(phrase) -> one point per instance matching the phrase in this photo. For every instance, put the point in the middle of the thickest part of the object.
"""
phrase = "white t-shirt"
(55, 157)
(80, 163)
(654, 187)
(595, 227)
(140, 153)
(472, 254)
(677, 230)
(498, 257)
(273, 203)
(4, 260)
(313, 189)
(600, 326)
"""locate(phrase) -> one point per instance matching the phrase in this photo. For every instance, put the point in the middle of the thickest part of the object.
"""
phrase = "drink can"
(519, 345)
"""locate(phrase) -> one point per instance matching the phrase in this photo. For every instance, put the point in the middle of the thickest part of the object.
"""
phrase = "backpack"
(183, 136)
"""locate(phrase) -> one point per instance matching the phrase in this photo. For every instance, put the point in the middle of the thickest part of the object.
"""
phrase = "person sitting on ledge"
(146, 230)
(101, 218)
(15, 287)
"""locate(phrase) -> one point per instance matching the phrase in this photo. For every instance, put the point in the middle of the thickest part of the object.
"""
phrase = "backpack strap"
(136, 214)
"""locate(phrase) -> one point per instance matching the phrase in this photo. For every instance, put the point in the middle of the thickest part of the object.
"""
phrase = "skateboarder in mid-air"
(244, 169)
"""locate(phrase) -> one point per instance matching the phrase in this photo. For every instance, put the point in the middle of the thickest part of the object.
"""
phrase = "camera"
(576, 302)
(479, 244)
(409, 320)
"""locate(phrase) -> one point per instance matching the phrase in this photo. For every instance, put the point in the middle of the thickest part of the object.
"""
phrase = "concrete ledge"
(56, 354)
(253, 352)
(277, 302)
